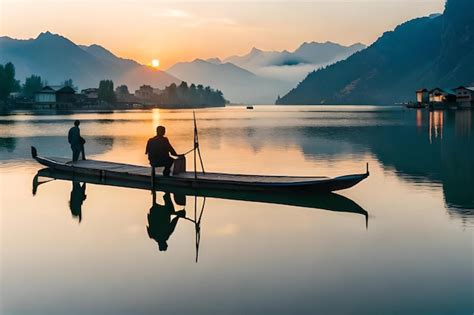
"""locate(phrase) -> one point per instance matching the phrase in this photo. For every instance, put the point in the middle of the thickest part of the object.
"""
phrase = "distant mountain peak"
(255, 50)
(48, 34)
(57, 58)
(216, 60)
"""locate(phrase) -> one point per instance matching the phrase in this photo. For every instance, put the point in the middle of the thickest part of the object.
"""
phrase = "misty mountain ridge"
(432, 51)
(293, 66)
(306, 53)
(259, 76)
(56, 58)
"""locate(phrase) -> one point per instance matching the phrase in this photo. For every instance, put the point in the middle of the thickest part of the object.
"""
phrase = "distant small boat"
(254, 183)
(249, 107)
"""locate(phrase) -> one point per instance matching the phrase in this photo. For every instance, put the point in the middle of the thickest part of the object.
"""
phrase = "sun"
(155, 63)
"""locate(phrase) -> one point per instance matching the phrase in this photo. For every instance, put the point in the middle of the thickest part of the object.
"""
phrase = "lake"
(75, 249)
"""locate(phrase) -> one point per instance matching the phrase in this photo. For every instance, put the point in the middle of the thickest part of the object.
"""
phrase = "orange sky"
(173, 31)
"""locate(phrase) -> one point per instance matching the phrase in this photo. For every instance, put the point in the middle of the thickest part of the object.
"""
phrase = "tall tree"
(8, 83)
(32, 85)
(106, 91)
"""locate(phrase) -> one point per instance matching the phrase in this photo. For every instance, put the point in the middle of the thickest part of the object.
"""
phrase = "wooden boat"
(329, 201)
(136, 173)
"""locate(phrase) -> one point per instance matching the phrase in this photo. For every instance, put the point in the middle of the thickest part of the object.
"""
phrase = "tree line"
(192, 95)
(175, 95)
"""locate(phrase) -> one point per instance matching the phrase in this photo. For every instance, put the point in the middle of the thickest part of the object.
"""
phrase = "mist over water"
(414, 256)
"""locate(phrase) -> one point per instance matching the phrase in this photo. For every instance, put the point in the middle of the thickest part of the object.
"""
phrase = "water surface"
(61, 254)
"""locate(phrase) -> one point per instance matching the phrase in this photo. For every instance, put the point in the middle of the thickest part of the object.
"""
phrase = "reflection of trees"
(7, 143)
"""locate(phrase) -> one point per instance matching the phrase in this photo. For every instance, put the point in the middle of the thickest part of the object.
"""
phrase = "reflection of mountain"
(56, 59)
(429, 51)
(439, 150)
(435, 147)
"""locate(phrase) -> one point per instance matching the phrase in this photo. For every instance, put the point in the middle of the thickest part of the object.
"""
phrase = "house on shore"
(464, 96)
(89, 96)
(442, 96)
(422, 96)
(55, 97)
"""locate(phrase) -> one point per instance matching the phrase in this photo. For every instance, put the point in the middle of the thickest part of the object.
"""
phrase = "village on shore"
(36, 94)
(442, 98)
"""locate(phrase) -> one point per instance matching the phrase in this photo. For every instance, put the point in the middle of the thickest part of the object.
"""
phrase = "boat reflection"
(163, 217)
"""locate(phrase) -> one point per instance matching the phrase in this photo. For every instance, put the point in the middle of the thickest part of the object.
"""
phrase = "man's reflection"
(78, 195)
(160, 225)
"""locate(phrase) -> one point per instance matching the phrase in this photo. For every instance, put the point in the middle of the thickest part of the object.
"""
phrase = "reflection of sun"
(155, 117)
(155, 63)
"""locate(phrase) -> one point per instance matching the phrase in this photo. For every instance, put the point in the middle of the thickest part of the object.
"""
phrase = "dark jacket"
(159, 149)
(74, 138)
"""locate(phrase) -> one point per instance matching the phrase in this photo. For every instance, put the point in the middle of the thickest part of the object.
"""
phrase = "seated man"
(160, 225)
(159, 149)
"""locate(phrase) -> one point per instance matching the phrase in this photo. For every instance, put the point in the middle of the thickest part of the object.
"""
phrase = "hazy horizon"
(183, 31)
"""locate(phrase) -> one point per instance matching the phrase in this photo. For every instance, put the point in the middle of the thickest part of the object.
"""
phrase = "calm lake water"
(414, 255)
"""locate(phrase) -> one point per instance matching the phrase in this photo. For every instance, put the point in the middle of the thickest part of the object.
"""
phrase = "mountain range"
(56, 58)
(259, 76)
(432, 51)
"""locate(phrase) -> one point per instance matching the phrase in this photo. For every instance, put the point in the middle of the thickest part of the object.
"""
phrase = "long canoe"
(257, 183)
(327, 201)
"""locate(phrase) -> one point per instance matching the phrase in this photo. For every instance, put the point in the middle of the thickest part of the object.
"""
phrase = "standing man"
(76, 141)
(159, 149)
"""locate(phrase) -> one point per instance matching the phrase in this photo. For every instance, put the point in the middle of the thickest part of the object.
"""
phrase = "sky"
(173, 31)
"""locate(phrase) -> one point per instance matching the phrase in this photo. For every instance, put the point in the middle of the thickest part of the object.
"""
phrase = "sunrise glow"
(155, 63)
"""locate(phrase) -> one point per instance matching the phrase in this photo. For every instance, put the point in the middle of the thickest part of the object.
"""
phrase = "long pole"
(196, 135)
(195, 144)
(196, 148)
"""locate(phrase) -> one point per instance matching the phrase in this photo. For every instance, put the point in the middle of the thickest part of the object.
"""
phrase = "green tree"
(32, 84)
(8, 83)
(106, 91)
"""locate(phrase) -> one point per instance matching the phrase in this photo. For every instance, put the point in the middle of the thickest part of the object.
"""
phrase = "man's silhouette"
(159, 149)
(78, 195)
(160, 225)
(76, 141)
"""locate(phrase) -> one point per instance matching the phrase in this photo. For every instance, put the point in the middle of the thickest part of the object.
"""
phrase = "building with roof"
(422, 96)
(91, 94)
(464, 96)
(439, 95)
(55, 94)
